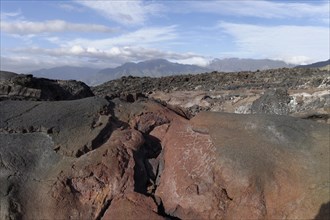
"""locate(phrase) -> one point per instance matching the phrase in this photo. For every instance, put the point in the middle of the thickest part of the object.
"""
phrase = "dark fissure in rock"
(105, 207)
(161, 209)
(140, 172)
(147, 165)
(147, 171)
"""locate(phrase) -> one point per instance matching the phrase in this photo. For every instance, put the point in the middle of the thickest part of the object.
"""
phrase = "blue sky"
(44, 34)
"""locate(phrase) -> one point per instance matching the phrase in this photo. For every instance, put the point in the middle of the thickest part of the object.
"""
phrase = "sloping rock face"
(226, 166)
(75, 127)
(26, 87)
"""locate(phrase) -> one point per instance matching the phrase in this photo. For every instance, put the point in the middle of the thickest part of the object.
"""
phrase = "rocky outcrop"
(26, 87)
(307, 104)
(302, 93)
(272, 102)
(74, 158)
(226, 166)
(71, 160)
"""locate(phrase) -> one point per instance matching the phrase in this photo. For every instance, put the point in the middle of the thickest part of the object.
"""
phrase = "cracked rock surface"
(227, 166)
(75, 127)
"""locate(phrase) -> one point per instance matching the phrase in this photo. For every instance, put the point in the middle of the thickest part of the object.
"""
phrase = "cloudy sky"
(43, 34)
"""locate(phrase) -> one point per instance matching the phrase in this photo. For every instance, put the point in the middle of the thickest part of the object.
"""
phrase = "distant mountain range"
(156, 68)
(85, 74)
(236, 64)
(316, 65)
(153, 68)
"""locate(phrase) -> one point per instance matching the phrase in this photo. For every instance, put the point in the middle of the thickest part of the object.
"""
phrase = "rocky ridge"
(303, 93)
(218, 81)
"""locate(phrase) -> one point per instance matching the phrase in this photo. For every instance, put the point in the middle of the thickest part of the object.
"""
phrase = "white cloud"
(120, 53)
(27, 59)
(295, 44)
(25, 64)
(70, 8)
(264, 9)
(124, 12)
(301, 60)
(195, 60)
(77, 50)
(101, 53)
(142, 37)
(6, 15)
(23, 27)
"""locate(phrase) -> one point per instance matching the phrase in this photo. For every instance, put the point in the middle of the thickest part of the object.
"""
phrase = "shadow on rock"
(324, 212)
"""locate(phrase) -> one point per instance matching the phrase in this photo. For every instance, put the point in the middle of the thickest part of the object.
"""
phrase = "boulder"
(26, 87)
(272, 102)
(229, 166)
(38, 183)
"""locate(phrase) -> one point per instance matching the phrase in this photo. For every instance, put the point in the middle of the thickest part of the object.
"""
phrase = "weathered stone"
(26, 87)
(25, 160)
(272, 102)
(226, 166)
(132, 206)
(76, 127)
(38, 183)
(92, 181)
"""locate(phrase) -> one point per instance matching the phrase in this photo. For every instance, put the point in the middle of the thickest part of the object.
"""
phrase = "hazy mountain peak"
(316, 65)
(245, 64)
(154, 68)
(85, 74)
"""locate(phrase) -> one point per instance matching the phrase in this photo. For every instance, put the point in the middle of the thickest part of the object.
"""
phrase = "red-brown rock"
(132, 206)
(227, 166)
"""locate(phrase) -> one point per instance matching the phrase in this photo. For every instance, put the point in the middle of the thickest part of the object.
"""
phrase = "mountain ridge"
(156, 68)
(319, 64)
(238, 64)
(84, 74)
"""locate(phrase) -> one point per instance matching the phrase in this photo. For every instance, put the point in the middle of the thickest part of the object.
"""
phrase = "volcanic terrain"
(243, 145)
